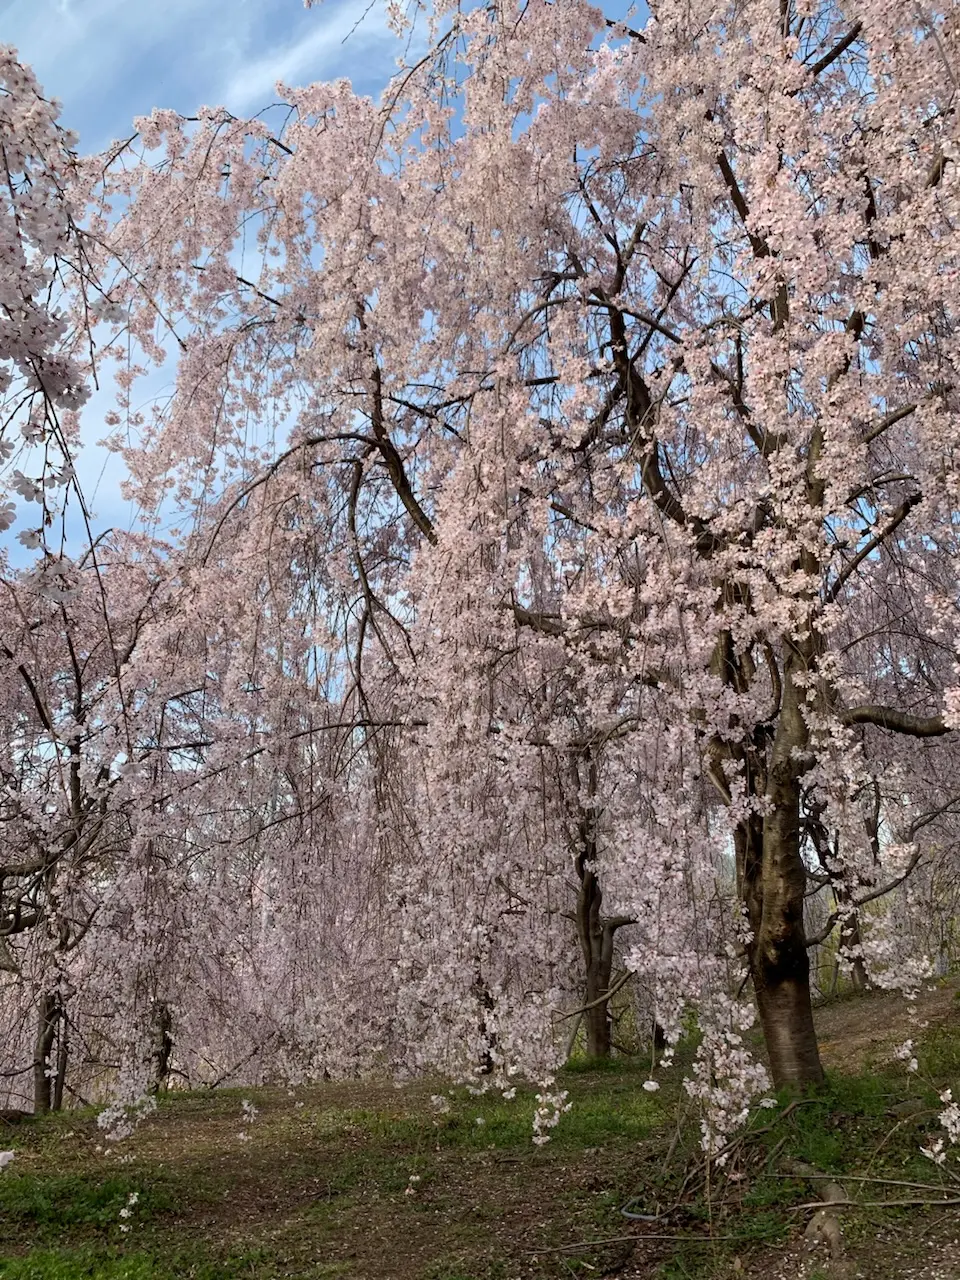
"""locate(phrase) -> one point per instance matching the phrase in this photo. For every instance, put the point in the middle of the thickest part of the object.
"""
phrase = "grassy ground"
(371, 1183)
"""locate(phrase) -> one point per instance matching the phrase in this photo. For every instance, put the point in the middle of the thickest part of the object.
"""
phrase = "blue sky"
(110, 60)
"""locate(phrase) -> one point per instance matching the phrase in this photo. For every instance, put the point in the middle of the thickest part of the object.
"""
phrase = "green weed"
(78, 1199)
(93, 1264)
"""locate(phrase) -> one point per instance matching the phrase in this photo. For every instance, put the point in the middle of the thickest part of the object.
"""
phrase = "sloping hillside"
(371, 1182)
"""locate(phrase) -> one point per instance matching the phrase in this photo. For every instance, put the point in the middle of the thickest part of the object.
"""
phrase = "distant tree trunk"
(163, 1045)
(488, 1038)
(63, 1056)
(596, 944)
(850, 943)
(43, 1066)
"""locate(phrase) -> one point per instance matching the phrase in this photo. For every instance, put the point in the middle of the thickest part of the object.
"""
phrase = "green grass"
(846, 1128)
(939, 1053)
(78, 1200)
(80, 1264)
(371, 1183)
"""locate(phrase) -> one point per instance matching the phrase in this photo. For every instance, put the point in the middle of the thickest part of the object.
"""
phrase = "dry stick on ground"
(743, 1138)
(699, 1169)
(635, 1239)
(855, 1177)
(775, 1152)
(678, 1131)
(874, 1204)
(910, 1119)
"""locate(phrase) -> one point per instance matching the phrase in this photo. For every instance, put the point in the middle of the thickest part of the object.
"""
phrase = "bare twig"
(607, 995)
(875, 1204)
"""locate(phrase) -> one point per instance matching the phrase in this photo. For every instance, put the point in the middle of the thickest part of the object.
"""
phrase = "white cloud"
(110, 60)
(334, 46)
(91, 49)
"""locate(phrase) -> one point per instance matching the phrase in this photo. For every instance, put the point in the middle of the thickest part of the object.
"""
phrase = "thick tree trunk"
(43, 1067)
(780, 966)
(779, 963)
(598, 965)
(596, 941)
(599, 1032)
(772, 880)
(487, 1038)
(786, 1016)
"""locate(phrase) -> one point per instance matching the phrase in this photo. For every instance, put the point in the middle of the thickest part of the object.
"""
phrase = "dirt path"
(862, 1032)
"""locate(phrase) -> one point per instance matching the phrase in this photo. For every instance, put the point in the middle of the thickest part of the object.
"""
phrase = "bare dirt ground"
(370, 1182)
(861, 1032)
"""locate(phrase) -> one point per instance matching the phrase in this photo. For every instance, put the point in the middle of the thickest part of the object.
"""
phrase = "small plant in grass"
(250, 1113)
(126, 1213)
(949, 1119)
(944, 1048)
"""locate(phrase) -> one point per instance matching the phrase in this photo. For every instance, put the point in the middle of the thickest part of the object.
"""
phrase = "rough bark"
(43, 1066)
(595, 934)
(779, 963)
(596, 944)
(850, 946)
(163, 1045)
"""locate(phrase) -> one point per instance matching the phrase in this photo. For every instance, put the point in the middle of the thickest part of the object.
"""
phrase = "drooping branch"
(890, 420)
(835, 916)
(549, 623)
(390, 455)
(620, 983)
(897, 518)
